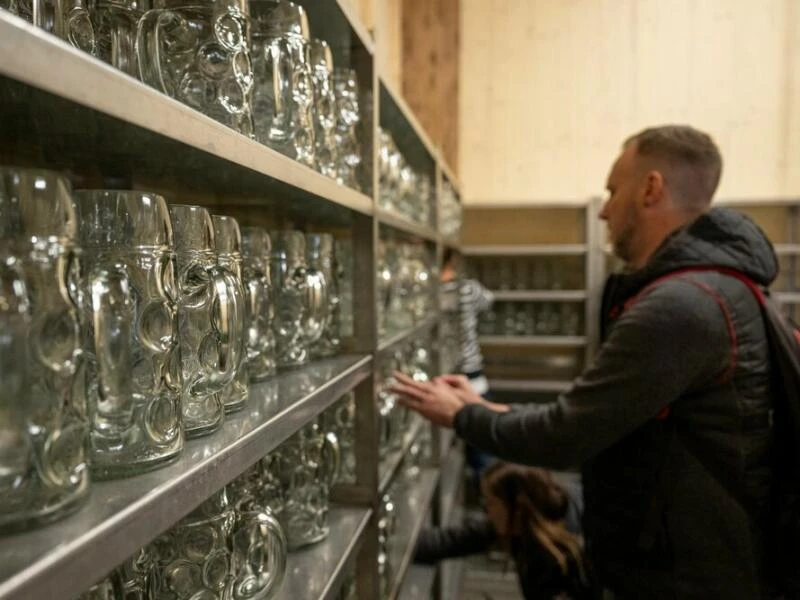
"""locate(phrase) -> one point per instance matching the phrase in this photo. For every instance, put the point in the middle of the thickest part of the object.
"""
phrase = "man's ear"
(653, 188)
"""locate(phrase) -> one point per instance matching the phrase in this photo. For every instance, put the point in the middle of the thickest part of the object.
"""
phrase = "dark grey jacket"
(665, 498)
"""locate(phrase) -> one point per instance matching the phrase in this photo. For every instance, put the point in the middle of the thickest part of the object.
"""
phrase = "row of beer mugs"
(251, 65)
(403, 189)
(234, 546)
(452, 213)
(406, 276)
(129, 325)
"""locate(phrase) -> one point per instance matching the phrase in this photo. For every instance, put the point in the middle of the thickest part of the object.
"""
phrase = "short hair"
(448, 256)
(694, 163)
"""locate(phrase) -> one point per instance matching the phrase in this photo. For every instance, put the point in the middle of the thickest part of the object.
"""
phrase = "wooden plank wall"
(430, 73)
(549, 89)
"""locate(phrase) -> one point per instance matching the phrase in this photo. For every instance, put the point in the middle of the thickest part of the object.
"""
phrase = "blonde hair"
(537, 506)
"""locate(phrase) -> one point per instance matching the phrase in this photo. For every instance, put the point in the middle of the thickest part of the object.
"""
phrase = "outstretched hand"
(439, 400)
(436, 401)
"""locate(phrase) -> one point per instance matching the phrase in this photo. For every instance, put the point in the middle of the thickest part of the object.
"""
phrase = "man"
(671, 423)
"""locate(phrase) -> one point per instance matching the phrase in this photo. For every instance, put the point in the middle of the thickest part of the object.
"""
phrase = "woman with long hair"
(526, 516)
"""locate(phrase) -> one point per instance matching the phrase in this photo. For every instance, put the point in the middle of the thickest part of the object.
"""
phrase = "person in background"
(534, 519)
(671, 422)
(473, 299)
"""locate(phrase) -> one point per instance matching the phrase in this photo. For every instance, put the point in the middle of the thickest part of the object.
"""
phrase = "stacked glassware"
(251, 65)
(135, 325)
(451, 217)
(405, 285)
(403, 189)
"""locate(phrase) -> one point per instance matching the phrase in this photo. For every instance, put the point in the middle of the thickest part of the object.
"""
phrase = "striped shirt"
(473, 299)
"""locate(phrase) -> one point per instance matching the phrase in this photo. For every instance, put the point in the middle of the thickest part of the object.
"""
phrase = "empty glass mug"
(321, 257)
(321, 60)
(114, 23)
(43, 422)
(128, 298)
(228, 242)
(260, 312)
(198, 52)
(299, 295)
(221, 552)
(211, 320)
(340, 420)
(68, 19)
(283, 96)
(345, 136)
(306, 466)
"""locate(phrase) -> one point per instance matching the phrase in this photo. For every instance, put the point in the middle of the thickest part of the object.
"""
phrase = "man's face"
(620, 211)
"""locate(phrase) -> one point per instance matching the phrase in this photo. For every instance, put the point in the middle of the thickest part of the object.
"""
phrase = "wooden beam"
(430, 69)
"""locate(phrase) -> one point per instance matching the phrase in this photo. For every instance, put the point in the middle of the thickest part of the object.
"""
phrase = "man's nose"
(603, 214)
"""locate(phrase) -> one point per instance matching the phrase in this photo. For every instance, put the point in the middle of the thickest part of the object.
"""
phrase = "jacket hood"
(719, 238)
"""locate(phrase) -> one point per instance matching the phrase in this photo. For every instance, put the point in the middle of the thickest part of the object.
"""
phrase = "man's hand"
(435, 400)
(439, 400)
(467, 394)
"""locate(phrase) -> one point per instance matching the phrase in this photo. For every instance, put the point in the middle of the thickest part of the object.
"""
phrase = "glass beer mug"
(305, 466)
(43, 422)
(300, 298)
(260, 312)
(324, 107)
(128, 299)
(320, 254)
(221, 551)
(198, 52)
(114, 23)
(68, 19)
(228, 242)
(211, 320)
(345, 136)
(283, 96)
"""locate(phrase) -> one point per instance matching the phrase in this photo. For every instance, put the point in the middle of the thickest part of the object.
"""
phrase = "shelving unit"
(65, 110)
(551, 281)
(411, 502)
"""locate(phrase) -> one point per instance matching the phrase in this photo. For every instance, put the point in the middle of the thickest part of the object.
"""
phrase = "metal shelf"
(787, 297)
(451, 242)
(451, 572)
(418, 583)
(527, 250)
(539, 295)
(399, 101)
(316, 572)
(358, 27)
(787, 249)
(398, 338)
(551, 341)
(528, 385)
(96, 115)
(406, 225)
(412, 500)
(450, 481)
(449, 175)
(387, 468)
(446, 437)
(63, 559)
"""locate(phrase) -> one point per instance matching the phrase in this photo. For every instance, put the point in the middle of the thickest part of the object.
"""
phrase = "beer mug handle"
(228, 321)
(148, 45)
(317, 304)
(77, 26)
(112, 314)
(331, 458)
(267, 576)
